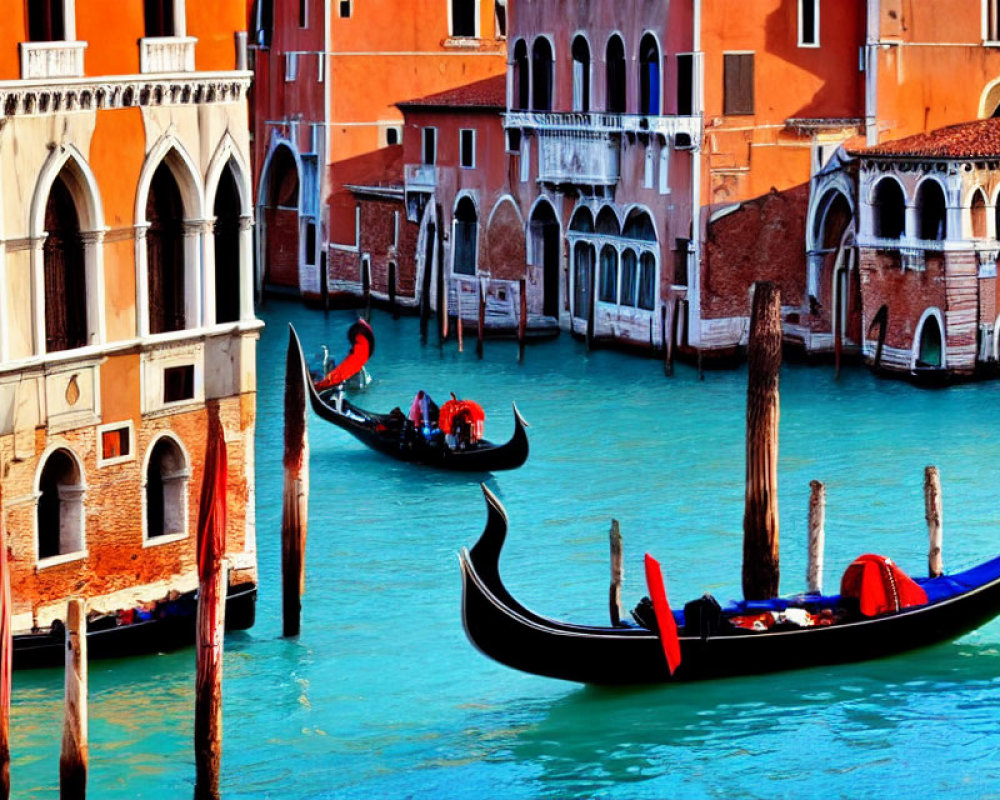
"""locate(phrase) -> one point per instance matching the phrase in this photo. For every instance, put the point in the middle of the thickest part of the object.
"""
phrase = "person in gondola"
(424, 414)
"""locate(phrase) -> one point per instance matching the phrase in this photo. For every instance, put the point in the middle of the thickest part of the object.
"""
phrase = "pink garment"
(418, 408)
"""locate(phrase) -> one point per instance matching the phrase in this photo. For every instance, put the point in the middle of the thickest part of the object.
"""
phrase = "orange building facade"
(126, 297)
(327, 78)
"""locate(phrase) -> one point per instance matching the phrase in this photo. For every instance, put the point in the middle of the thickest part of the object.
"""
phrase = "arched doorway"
(227, 248)
(165, 253)
(64, 273)
(930, 350)
(465, 251)
(545, 252)
(60, 506)
(281, 220)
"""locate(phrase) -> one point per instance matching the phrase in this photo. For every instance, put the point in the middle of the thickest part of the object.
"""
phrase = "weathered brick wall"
(503, 249)
(378, 220)
(763, 240)
(116, 558)
(962, 313)
(282, 267)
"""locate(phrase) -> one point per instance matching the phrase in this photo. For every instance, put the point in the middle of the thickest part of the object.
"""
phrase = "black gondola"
(511, 634)
(392, 435)
(171, 625)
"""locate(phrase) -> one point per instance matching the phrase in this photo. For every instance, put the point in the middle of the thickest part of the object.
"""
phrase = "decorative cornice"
(41, 98)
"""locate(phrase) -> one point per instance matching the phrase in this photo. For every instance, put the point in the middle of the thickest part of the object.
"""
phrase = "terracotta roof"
(978, 139)
(490, 93)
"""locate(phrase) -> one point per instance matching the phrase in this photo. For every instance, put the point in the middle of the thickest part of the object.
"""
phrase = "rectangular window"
(46, 22)
(664, 169)
(991, 12)
(500, 11)
(114, 443)
(310, 243)
(430, 145)
(303, 14)
(291, 67)
(159, 18)
(737, 83)
(463, 18)
(513, 140)
(178, 383)
(393, 135)
(467, 141)
(345, 9)
(685, 84)
(808, 23)
(681, 248)
(650, 168)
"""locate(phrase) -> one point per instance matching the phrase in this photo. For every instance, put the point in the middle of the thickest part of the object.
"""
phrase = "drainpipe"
(694, 264)
(871, 73)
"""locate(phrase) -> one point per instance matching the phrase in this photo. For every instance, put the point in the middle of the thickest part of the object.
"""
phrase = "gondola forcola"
(879, 612)
(395, 435)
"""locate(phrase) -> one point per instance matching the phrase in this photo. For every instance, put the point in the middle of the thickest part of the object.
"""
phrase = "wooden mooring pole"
(522, 320)
(817, 536)
(6, 659)
(458, 320)
(295, 505)
(668, 351)
(760, 518)
(73, 759)
(933, 511)
(212, 581)
(392, 291)
(442, 289)
(481, 293)
(617, 574)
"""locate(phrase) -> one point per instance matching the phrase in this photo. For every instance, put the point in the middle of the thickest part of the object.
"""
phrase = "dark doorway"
(931, 350)
(65, 272)
(227, 248)
(545, 240)
(281, 221)
(165, 253)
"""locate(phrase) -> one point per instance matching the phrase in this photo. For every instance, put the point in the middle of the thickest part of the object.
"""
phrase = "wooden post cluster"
(933, 512)
(212, 584)
(295, 507)
(522, 320)
(760, 518)
(817, 536)
(74, 756)
(617, 574)
(6, 659)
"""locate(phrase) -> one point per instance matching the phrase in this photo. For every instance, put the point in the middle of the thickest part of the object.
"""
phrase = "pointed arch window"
(615, 65)
(541, 72)
(64, 273)
(649, 76)
(165, 253)
(609, 274)
(227, 248)
(581, 75)
(522, 84)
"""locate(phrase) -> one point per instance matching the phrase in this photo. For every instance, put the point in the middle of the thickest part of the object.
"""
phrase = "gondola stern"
(484, 557)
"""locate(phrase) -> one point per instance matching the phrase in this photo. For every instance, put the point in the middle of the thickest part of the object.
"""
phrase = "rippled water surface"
(382, 696)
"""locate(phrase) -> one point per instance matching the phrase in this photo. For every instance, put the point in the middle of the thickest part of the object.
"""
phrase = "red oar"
(664, 616)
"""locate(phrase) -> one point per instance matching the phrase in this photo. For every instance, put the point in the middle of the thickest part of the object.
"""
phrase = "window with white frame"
(59, 514)
(115, 443)
(166, 490)
(808, 23)
(991, 20)
(291, 67)
(47, 21)
(467, 145)
(463, 18)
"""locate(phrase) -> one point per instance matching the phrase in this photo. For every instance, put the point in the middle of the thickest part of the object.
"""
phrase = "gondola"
(168, 626)
(506, 631)
(391, 435)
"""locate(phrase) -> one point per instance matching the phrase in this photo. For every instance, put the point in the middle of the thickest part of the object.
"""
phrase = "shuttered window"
(738, 83)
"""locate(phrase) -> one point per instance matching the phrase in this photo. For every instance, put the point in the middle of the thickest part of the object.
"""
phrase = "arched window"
(630, 269)
(889, 209)
(60, 506)
(167, 477)
(466, 235)
(227, 248)
(931, 211)
(165, 250)
(65, 272)
(583, 270)
(281, 220)
(541, 75)
(615, 65)
(978, 214)
(159, 18)
(463, 18)
(607, 222)
(583, 221)
(521, 76)
(649, 76)
(647, 281)
(639, 226)
(581, 75)
(609, 274)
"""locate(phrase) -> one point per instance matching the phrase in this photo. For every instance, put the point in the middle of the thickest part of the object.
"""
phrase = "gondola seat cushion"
(879, 586)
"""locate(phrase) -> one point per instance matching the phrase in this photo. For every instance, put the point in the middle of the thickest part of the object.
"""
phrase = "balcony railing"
(167, 54)
(51, 60)
(587, 157)
(420, 177)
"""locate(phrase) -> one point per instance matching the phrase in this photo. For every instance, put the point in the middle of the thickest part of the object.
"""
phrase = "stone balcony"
(42, 60)
(585, 148)
(167, 54)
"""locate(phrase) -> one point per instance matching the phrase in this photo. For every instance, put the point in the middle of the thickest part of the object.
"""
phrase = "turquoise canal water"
(382, 696)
